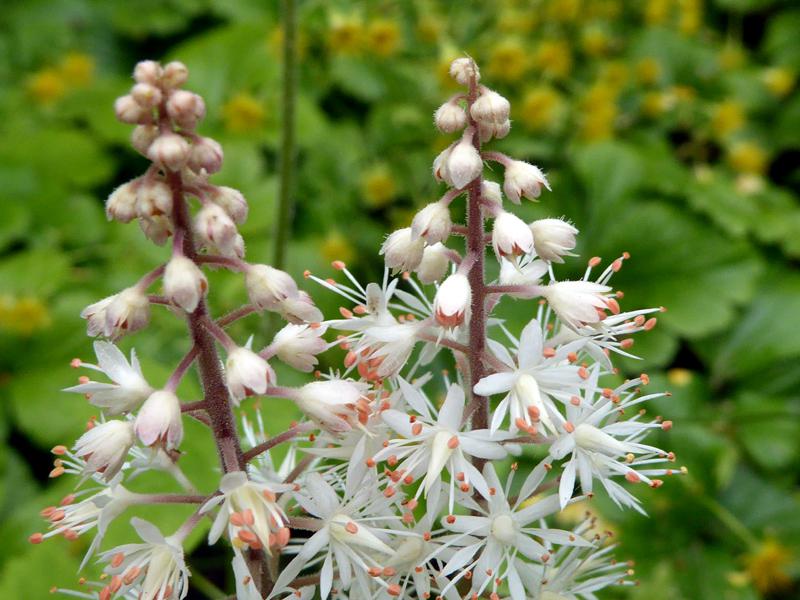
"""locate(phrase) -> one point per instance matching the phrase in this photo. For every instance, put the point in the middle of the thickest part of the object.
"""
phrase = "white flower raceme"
(464, 163)
(432, 223)
(250, 511)
(431, 445)
(105, 447)
(579, 303)
(490, 107)
(511, 236)
(434, 264)
(450, 117)
(532, 383)
(298, 345)
(336, 404)
(350, 536)
(154, 570)
(184, 283)
(128, 387)
(122, 313)
(402, 250)
(268, 287)
(159, 420)
(496, 536)
(452, 302)
(247, 373)
(553, 239)
(523, 180)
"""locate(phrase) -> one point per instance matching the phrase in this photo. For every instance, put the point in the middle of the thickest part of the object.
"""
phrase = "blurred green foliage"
(669, 128)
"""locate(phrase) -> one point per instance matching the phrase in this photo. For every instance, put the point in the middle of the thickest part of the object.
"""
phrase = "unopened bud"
(206, 154)
(464, 163)
(267, 287)
(401, 251)
(129, 111)
(490, 107)
(174, 75)
(121, 204)
(452, 301)
(153, 198)
(159, 420)
(157, 228)
(142, 137)
(146, 95)
(487, 131)
(147, 71)
(440, 172)
(216, 229)
(463, 70)
(247, 374)
(232, 202)
(184, 283)
(450, 117)
(170, 150)
(553, 238)
(523, 179)
(432, 223)
(434, 264)
(490, 192)
(185, 108)
(511, 236)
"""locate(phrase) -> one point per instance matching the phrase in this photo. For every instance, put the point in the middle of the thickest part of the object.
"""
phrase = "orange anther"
(351, 527)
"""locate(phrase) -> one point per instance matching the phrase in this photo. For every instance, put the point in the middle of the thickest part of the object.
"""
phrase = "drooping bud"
(553, 239)
(232, 201)
(464, 163)
(463, 70)
(434, 263)
(121, 204)
(298, 345)
(122, 313)
(490, 192)
(105, 447)
(299, 309)
(184, 283)
(247, 374)
(142, 137)
(157, 228)
(487, 131)
(216, 229)
(186, 108)
(174, 75)
(169, 150)
(450, 117)
(153, 198)
(490, 107)
(440, 172)
(147, 71)
(159, 420)
(129, 111)
(402, 251)
(432, 223)
(146, 95)
(206, 154)
(523, 179)
(452, 301)
(267, 287)
(511, 236)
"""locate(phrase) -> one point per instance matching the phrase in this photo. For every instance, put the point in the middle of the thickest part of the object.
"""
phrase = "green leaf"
(769, 431)
(36, 272)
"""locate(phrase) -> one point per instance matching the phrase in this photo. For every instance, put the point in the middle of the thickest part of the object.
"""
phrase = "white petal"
(530, 344)
(495, 384)
(453, 408)
(567, 485)
(326, 576)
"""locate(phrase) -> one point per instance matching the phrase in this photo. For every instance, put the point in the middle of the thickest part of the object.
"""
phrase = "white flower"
(532, 384)
(155, 570)
(511, 236)
(128, 387)
(429, 445)
(247, 373)
(523, 179)
(122, 313)
(578, 303)
(450, 117)
(432, 223)
(298, 345)
(184, 283)
(553, 239)
(105, 447)
(267, 287)
(435, 262)
(159, 420)
(464, 163)
(402, 250)
(216, 230)
(490, 107)
(452, 301)
(250, 511)
(170, 150)
(334, 404)
(463, 70)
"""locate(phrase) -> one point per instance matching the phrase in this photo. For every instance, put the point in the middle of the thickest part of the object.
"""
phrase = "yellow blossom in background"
(679, 377)
(429, 28)
(346, 34)
(779, 81)
(731, 57)
(275, 42)
(603, 9)
(243, 113)
(657, 12)
(540, 108)
(563, 11)
(648, 71)
(595, 41)
(655, 104)
(598, 113)
(683, 93)
(383, 37)
(553, 58)
(727, 117)
(447, 54)
(401, 217)
(378, 186)
(23, 315)
(615, 74)
(335, 246)
(517, 21)
(508, 61)
(748, 157)
(47, 86)
(77, 69)
(767, 567)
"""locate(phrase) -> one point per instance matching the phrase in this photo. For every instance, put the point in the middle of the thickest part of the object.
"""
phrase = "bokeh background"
(669, 129)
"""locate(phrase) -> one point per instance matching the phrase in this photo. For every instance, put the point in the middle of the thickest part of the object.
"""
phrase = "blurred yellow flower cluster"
(23, 315)
(50, 84)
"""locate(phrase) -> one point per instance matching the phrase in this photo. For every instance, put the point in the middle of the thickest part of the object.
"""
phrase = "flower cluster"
(385, 491)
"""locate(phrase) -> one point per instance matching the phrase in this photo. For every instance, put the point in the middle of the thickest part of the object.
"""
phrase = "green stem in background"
(205, 586)
(287, 152)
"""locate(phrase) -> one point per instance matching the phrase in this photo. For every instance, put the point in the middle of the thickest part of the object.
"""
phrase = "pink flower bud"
(153, 199)
(206, 154)
(159, 420)
(434, 263)
(157, 228)
(185, 108)
(401, 251)
(232, 202)
(216, 229)
(121, 204)
(464, 163)
(147, 71)
(174, 75)
(523, 179)
(511, 236)
(105, 447)
(553, 238)
(122, 313)
(490, 107)
(142, 137)
(432, 223)
(247, 374)
(129, 111)
(490, 192)
(299, 309)
(463, 70)
(452, 301)
(170, 150)
(184, 283)
(487, 130)
(267, 287)
(146, 95)
(450, 117)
